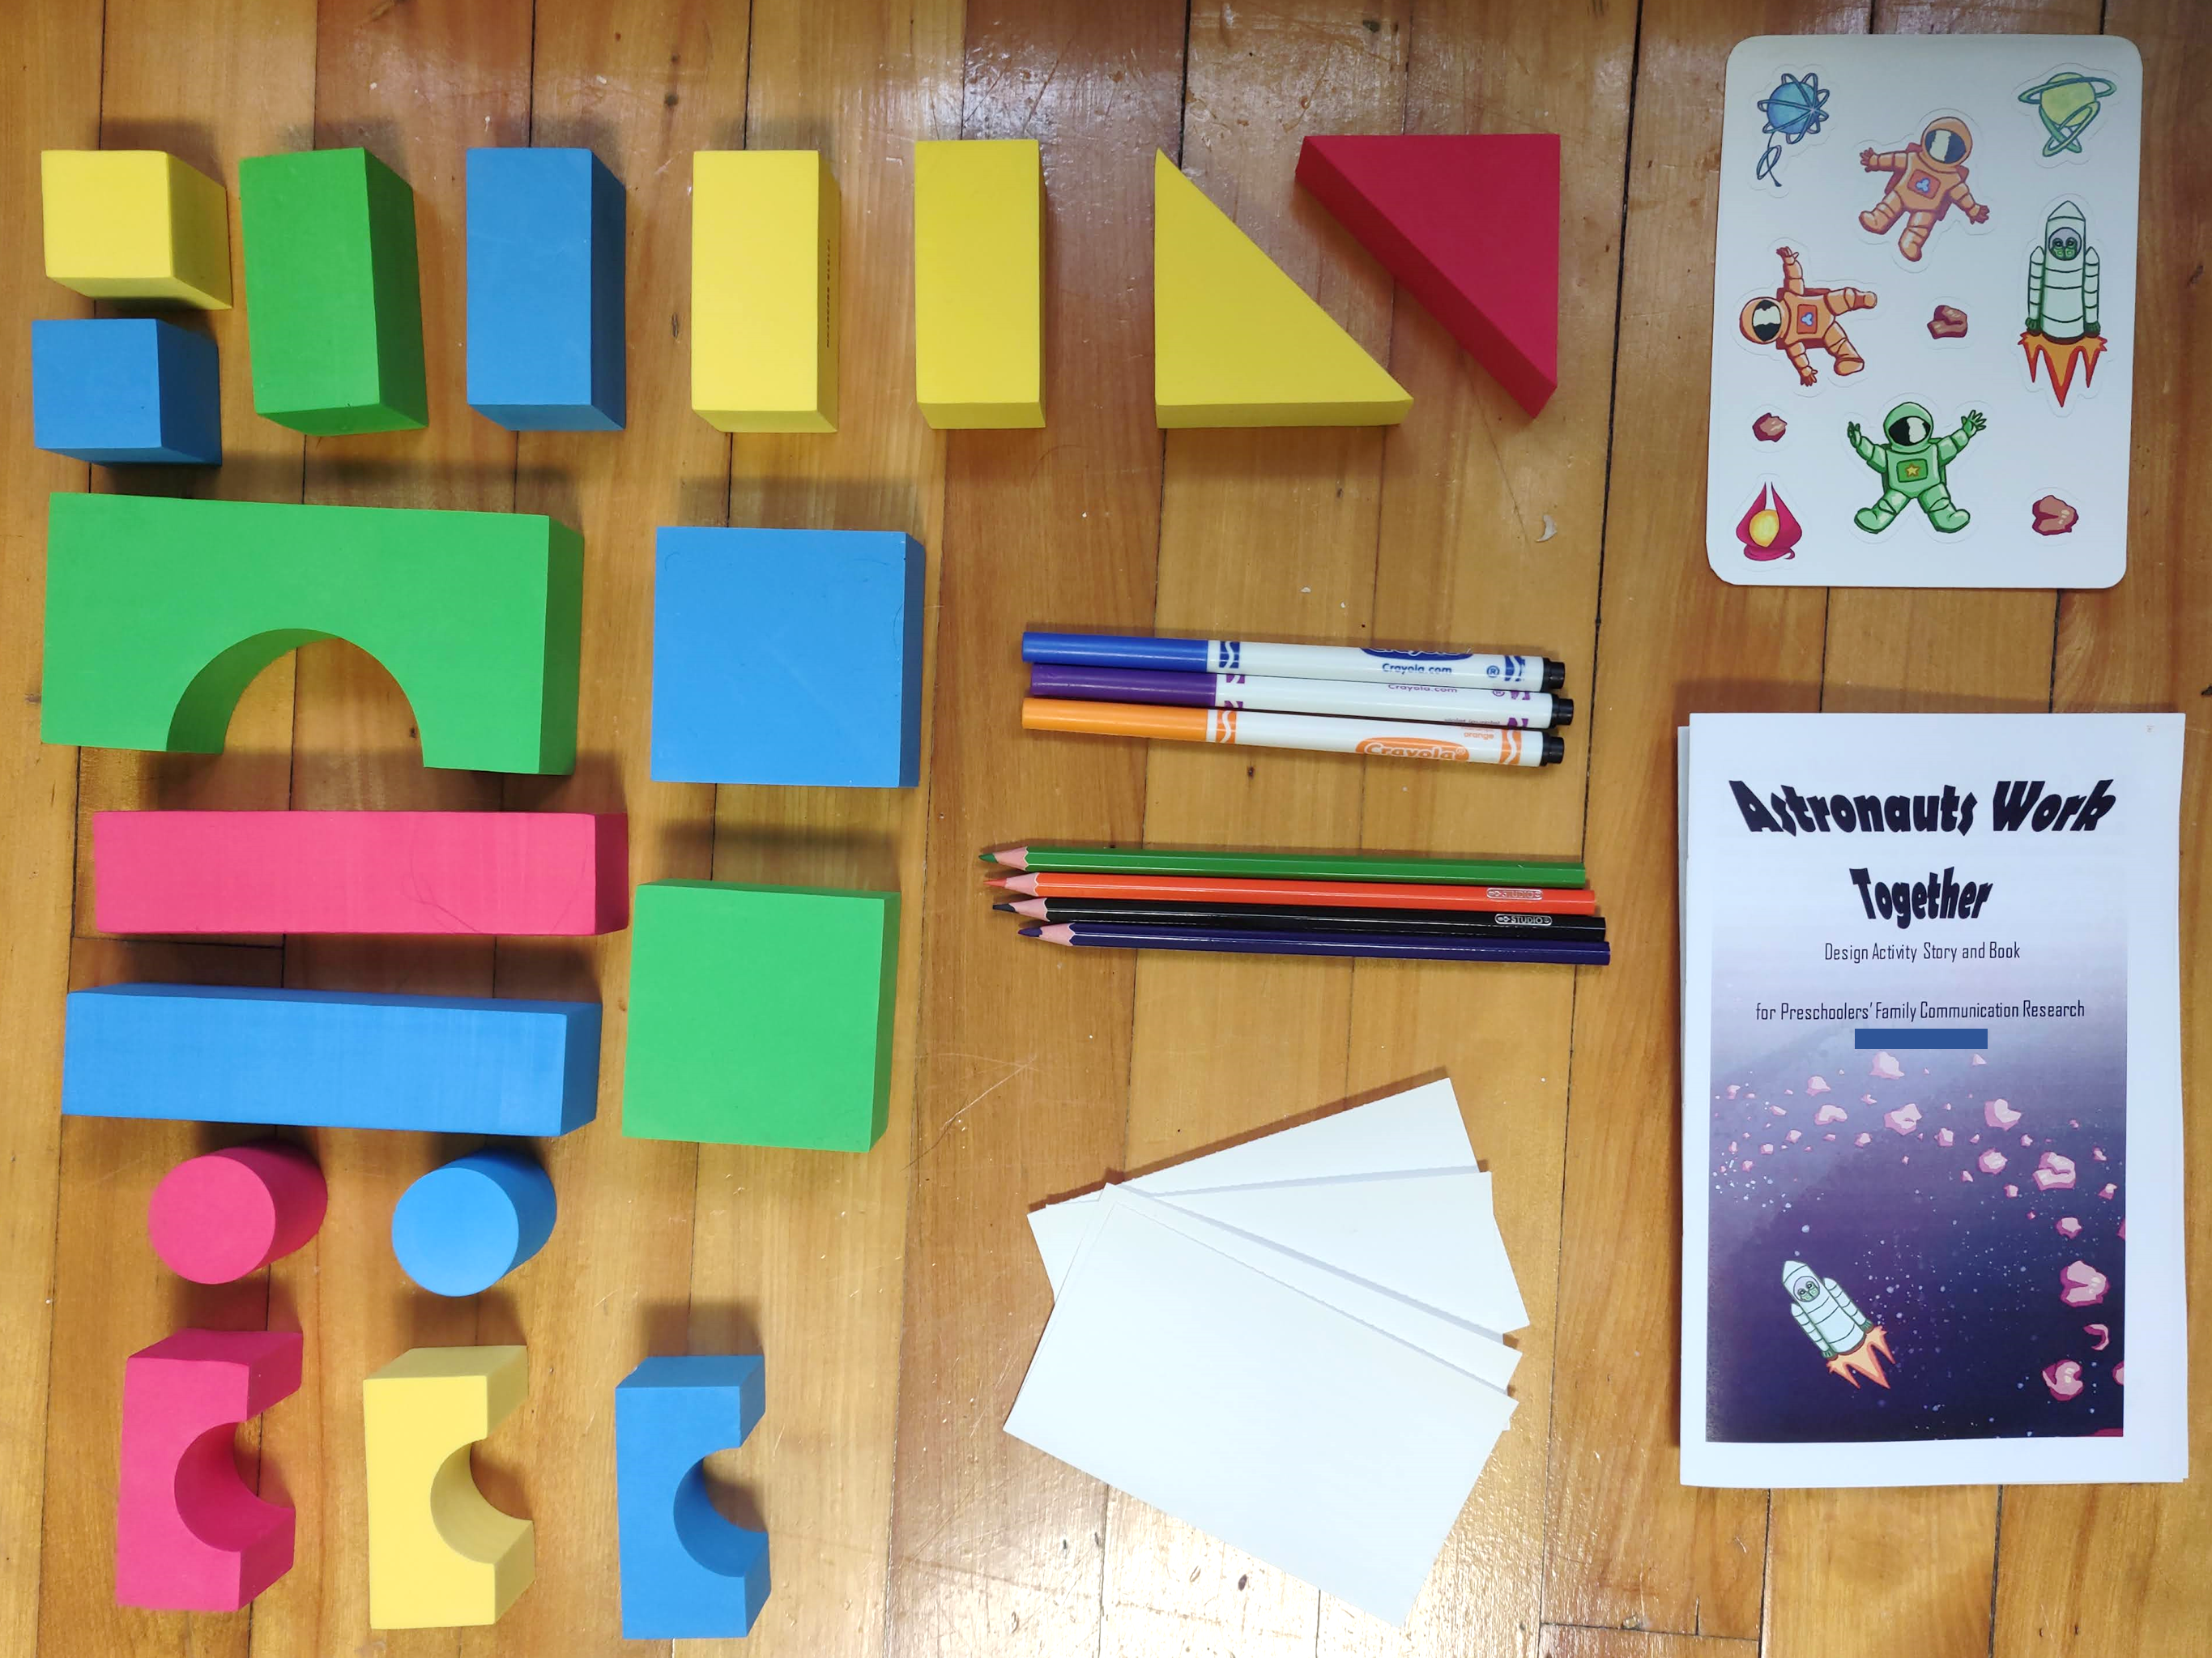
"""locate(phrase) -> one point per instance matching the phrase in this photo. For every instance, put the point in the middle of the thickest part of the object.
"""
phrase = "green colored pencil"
(1289, 866)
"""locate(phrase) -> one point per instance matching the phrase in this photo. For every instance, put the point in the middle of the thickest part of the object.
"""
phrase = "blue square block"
(125, 390)
(687, 1573)
(546, 290)
(787, 656)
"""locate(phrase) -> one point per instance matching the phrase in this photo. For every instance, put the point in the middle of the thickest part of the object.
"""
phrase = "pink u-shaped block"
(218, 1218)
(189, 1535)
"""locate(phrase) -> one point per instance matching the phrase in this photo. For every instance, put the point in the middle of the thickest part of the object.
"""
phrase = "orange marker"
(1251, 728)
(1335, 895)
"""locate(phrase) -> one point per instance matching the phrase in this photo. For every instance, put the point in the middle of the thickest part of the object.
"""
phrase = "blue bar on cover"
(315, 1059)
(546, 231)
(1118, 651)
(1920, 1037)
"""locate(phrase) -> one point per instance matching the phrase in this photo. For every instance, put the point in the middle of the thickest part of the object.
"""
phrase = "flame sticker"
(1768, 529)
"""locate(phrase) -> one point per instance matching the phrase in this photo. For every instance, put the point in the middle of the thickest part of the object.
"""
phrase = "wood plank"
(1857, 1571)
(1629, 1546)
(1263, 535)
(2089, 1570)
(49, 100)
(800, 1254)
(1572, 1640)
(644, 83)
(417, 84)
(1489, 539)
(1024, 1058)
(113, 1296)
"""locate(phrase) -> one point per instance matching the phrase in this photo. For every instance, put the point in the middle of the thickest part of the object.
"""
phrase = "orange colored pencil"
(1335, 894)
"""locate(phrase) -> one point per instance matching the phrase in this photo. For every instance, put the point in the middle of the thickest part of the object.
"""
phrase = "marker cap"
(1555, 749)
(1555, 674)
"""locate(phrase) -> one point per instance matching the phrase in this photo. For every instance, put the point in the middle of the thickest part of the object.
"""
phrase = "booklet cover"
(1923, 311)
(1931, 1074)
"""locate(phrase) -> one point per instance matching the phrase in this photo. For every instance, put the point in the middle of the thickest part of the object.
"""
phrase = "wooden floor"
(897, 1296)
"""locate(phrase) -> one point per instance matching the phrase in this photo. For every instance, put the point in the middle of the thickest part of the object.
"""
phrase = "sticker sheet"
(1924, 311)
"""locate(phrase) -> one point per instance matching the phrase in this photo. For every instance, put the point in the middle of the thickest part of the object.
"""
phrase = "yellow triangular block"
(1236, 341)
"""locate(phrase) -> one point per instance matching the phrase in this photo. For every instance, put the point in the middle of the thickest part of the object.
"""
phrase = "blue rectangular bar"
(545, 230)
(1922, 1036)
(315, 1059)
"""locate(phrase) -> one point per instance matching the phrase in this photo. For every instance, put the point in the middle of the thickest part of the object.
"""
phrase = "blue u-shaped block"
(687, 1573)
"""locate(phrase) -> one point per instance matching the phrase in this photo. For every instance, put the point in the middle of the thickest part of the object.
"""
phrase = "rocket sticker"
(2062, 329)
(1831, 1319)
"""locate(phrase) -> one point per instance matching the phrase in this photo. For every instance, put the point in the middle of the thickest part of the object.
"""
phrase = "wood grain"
(897, 1295)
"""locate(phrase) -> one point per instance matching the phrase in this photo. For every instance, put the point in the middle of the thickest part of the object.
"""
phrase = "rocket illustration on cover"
(1847, 1337)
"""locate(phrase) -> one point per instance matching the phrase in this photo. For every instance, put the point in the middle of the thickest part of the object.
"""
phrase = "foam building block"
(1469, 225)
(189, 1535)
(135, 224)
(214, 1219)
(461, 1229)
(546, 290)
(335, 317)
(439, 1555)
(125, 391)
(498, 873)
(687, 1573)
(979, 282)
(760, 1016)
(321, 1058)
(787, 656)
(1236, 341)
(765, 290)
(160, 611)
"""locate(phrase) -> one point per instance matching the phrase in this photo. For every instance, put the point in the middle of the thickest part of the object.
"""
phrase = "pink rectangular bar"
(540, 873)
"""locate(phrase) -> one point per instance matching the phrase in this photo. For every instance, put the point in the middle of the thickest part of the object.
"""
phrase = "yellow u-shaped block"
(438, 1554)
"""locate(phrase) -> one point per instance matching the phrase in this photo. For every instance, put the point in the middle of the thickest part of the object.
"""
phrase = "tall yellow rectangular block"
(979, 282)
(765, 290)
(438, 1555)
(135, 224)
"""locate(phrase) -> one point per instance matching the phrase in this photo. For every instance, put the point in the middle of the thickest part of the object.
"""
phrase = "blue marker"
(1529, 673)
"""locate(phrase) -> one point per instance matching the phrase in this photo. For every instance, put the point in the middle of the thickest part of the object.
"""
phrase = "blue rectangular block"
(318, 1059)
(788, 657)
(125, 390)
(687, 1573)
(546, 290)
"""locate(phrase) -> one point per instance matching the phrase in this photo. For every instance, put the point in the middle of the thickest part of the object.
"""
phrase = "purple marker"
(1455, 705)
(1352, 662)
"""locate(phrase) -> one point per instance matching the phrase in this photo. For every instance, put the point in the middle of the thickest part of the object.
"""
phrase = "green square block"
(333, 304)
(760, 1015)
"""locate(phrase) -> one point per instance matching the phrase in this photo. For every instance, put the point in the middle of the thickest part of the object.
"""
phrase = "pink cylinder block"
(220, 1216)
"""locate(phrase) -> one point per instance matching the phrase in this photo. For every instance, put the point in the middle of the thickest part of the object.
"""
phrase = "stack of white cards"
(1294, 1344)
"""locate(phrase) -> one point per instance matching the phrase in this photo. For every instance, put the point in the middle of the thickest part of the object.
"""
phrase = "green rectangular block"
(760, 1015)
(160, 612)
(333, 305)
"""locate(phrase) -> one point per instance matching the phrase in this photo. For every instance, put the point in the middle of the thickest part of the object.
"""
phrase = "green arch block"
(160, 611)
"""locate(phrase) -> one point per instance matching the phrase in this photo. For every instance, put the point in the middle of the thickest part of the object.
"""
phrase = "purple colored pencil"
(1457, 705)
(1231, 942)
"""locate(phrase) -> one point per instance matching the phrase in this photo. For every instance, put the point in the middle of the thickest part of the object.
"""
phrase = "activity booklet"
(1924, 311)
(1931, 1097)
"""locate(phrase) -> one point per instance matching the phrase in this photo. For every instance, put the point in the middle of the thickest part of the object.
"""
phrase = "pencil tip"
(985, 857)
(1009, 909)
(1031, 932)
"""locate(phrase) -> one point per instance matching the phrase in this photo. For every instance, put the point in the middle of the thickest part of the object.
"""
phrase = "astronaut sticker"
(2063, 279)
(1926, 182)
(1914, 466)
(1794, 319)
(1952, 198)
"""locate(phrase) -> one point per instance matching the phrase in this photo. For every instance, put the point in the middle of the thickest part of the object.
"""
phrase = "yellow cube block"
(765, 290)
(438, 1555)
(135, 224)
(979, 282)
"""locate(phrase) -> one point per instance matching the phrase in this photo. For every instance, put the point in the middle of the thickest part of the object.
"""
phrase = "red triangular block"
(1469, 225)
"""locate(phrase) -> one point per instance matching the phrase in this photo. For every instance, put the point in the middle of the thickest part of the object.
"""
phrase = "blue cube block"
(125, 391)
(787, 656)
(546, 290)
(321, 1058)
(687, 1573)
